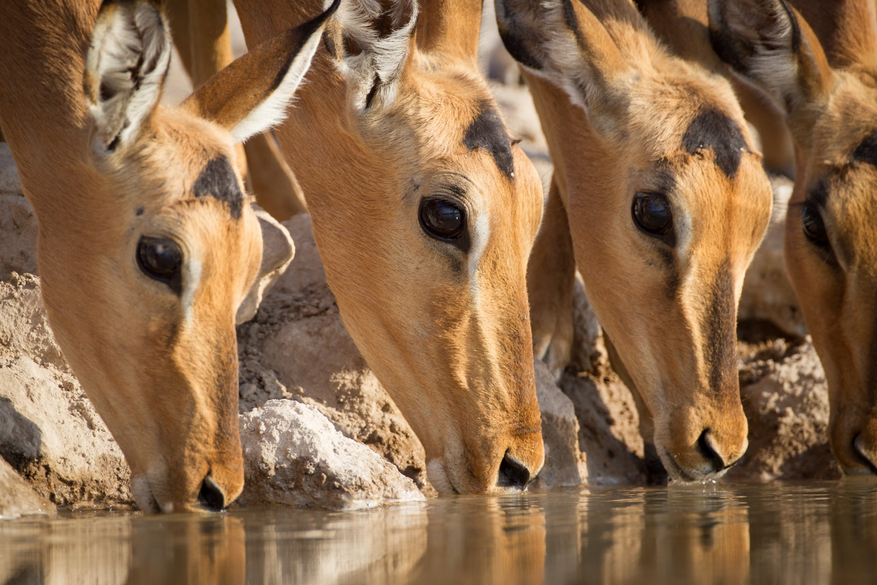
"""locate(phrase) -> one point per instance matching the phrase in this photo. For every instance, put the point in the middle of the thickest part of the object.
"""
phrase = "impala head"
(424, 210)
(667, 203)
(831, 228)
(143, 294)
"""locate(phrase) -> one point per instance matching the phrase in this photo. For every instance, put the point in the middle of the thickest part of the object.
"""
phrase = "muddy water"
(811, 532)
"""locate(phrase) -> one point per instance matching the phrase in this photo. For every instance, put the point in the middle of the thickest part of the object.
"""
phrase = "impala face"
(424, 216)
(829, 97)
(149, 248)
(666, 201)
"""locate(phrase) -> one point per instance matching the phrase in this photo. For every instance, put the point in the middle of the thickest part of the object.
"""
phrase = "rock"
(17, 498)
(18, 225)
(10, 184)
(49, 431)
(299, 347)
(295, 456)
(786, 403)
(767, 291)
(565, 464)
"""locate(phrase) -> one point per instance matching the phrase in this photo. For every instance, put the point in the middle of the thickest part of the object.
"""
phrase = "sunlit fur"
(160, 367)
(450, 342)
(616, 108)
(829, 94)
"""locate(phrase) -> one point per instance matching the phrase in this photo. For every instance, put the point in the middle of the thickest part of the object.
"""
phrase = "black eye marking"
(161, 259)
(218, 180)
(653, 215)
(866, 151)
(713, 129)
(720, 337)
(445, 221)
(487, 131)
(139, 212)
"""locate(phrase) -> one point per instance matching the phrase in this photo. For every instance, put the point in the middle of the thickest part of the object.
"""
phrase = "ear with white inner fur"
(124, 70)
(563, 42)
(251, 95)
(277, 252)
(374, 73)
(767, 43)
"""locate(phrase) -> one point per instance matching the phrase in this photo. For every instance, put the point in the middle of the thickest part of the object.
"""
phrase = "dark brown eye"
(652, 215)
(814, 227)
(161, 259)
(442, 219)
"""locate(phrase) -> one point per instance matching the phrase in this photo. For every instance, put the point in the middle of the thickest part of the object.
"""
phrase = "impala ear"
(373, 74)
(251, 95)
(125, 69)
(277, 252)
(564, 42)
(767, 43)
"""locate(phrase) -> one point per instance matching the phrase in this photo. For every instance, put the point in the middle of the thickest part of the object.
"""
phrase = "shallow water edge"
(806, 532)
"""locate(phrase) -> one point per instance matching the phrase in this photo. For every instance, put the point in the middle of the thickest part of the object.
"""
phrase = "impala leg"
(550, 282)
(274, 184)
(201, 34)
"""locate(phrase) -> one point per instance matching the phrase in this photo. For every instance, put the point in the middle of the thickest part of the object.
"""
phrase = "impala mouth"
(143, 495)
(859, 450)
(681, 474)
(437, 474)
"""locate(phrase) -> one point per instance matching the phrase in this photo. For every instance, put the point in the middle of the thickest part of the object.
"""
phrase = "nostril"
(512, 473)
(210, 496)
(859, 450)
(708, 450)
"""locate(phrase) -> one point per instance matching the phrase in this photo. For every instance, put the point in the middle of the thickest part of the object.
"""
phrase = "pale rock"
(565, 464)
(17, 498)
(295, 456)
(787, 407)
(49, 430)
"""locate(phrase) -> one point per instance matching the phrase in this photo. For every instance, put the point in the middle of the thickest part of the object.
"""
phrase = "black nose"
(210, 496)
(705, 446)
(512, 473)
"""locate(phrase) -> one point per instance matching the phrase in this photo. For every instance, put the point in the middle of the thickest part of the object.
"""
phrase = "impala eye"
(442, 219)
(814, 227)
(652, 215)
(161, 259)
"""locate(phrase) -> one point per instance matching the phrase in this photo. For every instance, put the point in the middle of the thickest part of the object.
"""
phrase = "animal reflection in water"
(822, 532)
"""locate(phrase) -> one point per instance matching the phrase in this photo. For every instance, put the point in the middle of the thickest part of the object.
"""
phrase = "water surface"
(813, 532)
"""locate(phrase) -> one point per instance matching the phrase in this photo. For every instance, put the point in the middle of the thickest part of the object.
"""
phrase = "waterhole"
(813, 532)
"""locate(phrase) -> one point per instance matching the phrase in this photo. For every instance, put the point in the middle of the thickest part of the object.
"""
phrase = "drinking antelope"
(660, 198)
(825, 80)
(424, 212)
(148, 246)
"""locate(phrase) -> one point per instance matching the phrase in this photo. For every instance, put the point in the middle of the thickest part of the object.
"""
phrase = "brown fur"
(830, 101)
(160, 368)
(458, 365)
(668, 310)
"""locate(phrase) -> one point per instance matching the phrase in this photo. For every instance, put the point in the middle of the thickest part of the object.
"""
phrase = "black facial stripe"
(218, 180)
(713, 129)
(487, 132)
(669, 259)
(866, 151)
(720, 337)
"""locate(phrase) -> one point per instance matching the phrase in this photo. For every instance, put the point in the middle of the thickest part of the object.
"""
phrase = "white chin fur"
(438, 477)
(143, 494)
